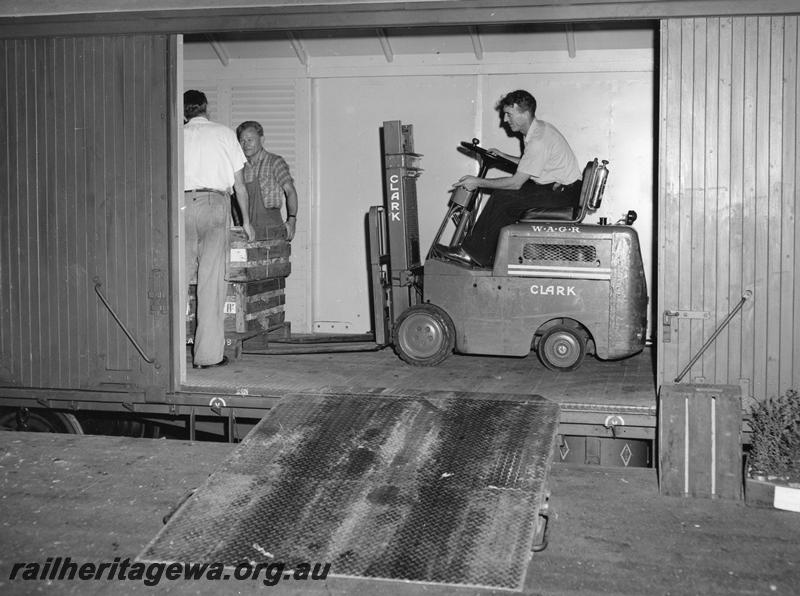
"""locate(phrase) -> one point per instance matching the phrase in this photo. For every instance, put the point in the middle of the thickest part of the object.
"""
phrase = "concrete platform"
(97, 498)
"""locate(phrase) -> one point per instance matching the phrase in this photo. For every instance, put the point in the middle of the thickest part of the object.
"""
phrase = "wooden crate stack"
(256, 275)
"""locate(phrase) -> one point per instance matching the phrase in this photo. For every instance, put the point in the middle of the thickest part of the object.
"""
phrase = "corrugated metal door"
(728, 202)
(84, 158)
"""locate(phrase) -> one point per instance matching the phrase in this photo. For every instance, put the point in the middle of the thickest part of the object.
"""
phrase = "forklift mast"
(394, 232)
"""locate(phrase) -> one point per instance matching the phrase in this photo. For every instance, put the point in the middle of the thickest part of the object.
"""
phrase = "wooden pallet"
(234, 341)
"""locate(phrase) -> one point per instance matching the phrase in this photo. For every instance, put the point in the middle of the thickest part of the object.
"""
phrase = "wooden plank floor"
(97, 498)
(596, 384)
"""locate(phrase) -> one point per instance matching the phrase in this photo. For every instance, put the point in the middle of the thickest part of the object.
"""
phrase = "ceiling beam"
(298, 48)
(29, 19)
(477, 45)
(219, 50)
(385, 45)
(570, 40)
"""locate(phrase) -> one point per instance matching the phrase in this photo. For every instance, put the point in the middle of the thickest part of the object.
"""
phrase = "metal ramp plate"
(445, 488)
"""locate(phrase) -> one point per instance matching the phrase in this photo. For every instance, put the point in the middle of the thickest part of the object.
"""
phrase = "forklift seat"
(594, 183)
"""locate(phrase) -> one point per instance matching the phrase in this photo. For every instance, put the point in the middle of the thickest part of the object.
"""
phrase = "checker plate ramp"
(445, 488)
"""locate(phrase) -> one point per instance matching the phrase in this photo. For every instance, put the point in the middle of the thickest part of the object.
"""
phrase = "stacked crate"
(256, 275)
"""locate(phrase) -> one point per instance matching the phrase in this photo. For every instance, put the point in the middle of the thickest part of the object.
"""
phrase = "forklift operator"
(547, 176)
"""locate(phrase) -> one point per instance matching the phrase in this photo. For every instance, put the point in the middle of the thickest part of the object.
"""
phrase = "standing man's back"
(212, 166)
(209, 159)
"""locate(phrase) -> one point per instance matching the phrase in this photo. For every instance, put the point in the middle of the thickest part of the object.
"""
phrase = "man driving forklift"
(547, 176)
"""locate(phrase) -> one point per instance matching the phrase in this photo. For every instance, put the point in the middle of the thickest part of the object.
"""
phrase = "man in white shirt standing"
(547, 175)
(212, 165)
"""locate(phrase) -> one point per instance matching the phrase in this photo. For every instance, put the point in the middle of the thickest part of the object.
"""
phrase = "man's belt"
(557, 186)
(207, 190)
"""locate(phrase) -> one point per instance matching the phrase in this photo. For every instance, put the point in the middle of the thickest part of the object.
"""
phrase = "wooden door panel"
(728, 201)
(86, 171)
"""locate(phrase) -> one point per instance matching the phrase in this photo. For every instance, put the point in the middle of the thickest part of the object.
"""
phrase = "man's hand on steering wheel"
(468, 182)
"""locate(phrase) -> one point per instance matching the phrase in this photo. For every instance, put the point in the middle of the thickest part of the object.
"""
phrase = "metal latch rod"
(745, 297)
(122, 326)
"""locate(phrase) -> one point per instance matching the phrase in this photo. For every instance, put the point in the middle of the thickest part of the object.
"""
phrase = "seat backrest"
(594, 185)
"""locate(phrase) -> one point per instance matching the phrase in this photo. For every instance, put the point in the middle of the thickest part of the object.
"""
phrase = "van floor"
(626, 385)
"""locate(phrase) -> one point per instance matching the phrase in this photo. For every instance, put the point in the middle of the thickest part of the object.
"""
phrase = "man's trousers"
(207, 220)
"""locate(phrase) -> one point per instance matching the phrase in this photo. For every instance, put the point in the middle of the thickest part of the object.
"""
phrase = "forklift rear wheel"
(562, 348)
(425, 335)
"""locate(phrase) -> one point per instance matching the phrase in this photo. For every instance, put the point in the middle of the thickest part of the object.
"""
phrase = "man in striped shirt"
(269, 183)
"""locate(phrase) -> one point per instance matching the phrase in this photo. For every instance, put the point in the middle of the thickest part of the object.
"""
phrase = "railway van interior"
(323, 98)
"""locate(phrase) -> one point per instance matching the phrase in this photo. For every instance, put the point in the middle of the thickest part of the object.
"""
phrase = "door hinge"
(666, 324)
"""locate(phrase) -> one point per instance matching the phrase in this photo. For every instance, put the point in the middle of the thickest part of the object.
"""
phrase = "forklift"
(558, 286)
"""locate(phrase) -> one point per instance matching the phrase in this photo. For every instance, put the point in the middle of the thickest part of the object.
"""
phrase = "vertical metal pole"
(231, 426)
(401, 169)
(378, 265)
(192, 425)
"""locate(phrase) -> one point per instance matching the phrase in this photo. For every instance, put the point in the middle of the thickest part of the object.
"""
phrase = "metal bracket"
(612, 422)
(216, 404)
(407, 161)
(666, 324)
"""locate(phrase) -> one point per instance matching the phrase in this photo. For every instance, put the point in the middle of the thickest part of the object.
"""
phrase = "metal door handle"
(97, 286)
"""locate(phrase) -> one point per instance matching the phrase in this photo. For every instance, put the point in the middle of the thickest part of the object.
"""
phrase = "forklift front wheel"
(562, 348)
(424, 335)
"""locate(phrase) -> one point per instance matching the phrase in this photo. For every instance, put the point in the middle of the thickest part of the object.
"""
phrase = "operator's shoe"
(222, 362)
(458, 254)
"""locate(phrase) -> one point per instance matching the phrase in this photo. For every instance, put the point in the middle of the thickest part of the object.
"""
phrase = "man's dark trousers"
(506, 207)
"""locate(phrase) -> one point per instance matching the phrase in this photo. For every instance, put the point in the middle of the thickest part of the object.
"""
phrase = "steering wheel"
(490, 159)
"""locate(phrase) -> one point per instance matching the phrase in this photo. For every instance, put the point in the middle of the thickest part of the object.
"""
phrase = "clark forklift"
(558, 286)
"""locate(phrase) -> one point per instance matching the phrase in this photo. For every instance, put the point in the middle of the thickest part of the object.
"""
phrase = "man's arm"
(508, 156)
(514, 182)
(291, 209)
(244, 202)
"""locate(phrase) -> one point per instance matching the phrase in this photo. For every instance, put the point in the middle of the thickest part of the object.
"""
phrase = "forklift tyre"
(562, 348)
(424, 335)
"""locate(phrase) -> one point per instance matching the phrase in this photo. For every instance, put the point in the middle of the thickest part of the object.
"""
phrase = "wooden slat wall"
(728, 199)
(84, 173)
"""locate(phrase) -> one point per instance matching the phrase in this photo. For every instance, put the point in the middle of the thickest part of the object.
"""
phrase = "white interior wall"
(602, 101)
(441, 111)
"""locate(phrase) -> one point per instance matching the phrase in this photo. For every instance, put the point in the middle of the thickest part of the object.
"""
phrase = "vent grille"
(580, 253)
(272, 105)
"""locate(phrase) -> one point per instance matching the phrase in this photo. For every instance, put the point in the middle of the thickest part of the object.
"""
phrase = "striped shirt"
(273, 173)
